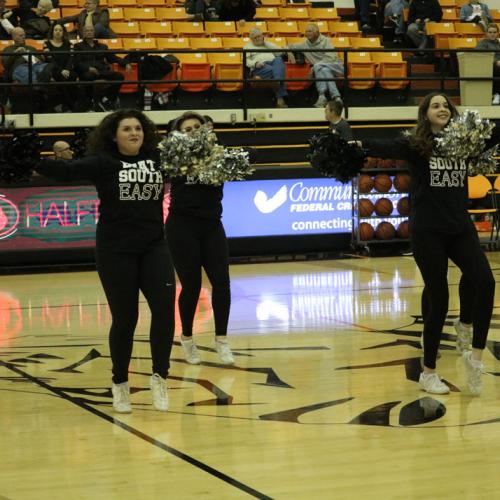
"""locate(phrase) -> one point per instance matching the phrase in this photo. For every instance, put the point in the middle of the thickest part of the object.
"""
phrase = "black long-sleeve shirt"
(196, 200)
(425, 9)
(130, 190)
(100, 61)
(438, 190)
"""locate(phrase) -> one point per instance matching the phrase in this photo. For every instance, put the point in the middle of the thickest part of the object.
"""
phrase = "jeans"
(21, 73)
(416, 35)
(275, 70)
(395, 8)
(328, 70)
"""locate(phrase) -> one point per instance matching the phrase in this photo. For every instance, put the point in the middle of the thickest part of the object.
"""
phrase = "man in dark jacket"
(96, 66)
(236, 10)
(420, 13)
(490, 42)
(35, 23)
(91, 15)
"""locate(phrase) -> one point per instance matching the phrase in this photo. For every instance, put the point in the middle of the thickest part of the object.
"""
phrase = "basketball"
(403, 230)
(365, 183)
(383, 207)
(370, 162)
(382, 183)
(402, 182)
(365, 231)
(385, 163)
(385, 231)
(403, 206)
(366, 207)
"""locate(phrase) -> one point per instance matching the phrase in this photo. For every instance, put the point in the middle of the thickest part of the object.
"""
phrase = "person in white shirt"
(266, 65)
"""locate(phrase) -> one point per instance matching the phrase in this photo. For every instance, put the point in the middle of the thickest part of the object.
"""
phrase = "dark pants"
(122, 276)
(432, 250)
(197, 243)
(111, 89)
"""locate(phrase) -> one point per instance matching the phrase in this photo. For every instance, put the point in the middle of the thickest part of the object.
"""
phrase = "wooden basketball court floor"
(321, 403)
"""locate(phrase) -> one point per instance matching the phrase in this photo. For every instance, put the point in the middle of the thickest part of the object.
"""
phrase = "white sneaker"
(321, 102)
(224, 352)
(430, 382)
(191, 352)
(474, 371)
(464, 336)
(496, 100)
(121, 398)
(159, 392)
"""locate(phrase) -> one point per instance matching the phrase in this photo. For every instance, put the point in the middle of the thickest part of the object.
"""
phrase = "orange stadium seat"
(294, 13)
(122, 3)
(283, 28)
(391, 65)
(469, 30)
(165, 87)
(199, 43)
(450, 14)
(128, 88)
(188, 29)
(298, 71)
(126, 29)
(116, 14)
(324, 14)
(234, 43)
(139, 44)
(227, 66)
(195, 66)
(244, 29)
(344, 28)
(220, 28)
(171, 44)
(171, 14)
(462, 43)
(272, 3)
(447, 4)
(323, 26)
(267, 13)
(359, 42)
(139, 14)
(360, 65)
(155, 28)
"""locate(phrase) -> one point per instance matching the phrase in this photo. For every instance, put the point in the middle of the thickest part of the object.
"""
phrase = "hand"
(65, 73)
(93, 70)
(241, 22)
(128, 68)
(259, 65)
(291, 57)
(21, 50)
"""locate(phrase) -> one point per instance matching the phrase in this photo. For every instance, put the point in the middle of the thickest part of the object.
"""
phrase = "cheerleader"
(131, 249)
(198, 241)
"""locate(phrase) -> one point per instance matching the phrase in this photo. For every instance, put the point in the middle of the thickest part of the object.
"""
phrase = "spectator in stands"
(477, 13)
(199, 10)
(209, 122)
(36, 24)
(6, 18)
(420, 13)
(325, 64)
(266, 65)
(96, 66)
(91, 15)
(338, 125)
(236, 10)
(15, 61)
(393, 11)
(490, 42)
(62, 150)
(59, 52)
(362, 8)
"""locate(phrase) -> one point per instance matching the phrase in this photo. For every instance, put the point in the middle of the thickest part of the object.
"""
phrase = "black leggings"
(122, 276)
(432, 250)
(198, 243)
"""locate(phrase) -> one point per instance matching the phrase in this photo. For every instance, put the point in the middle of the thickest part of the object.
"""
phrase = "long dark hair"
(188, 115)
(50, 35)
(421, 137)
(102, 138)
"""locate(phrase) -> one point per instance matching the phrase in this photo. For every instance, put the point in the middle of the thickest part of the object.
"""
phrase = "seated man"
(267, 65)
(62, 150)
(420, 13)
(477, 13)
(91, 15)
(15, 61)
(96, 67)
(36, 24)
(325, 64)
(490, 42)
